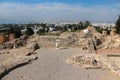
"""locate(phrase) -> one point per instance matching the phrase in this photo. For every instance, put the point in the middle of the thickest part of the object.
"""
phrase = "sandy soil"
(115, 60)
(51, 65)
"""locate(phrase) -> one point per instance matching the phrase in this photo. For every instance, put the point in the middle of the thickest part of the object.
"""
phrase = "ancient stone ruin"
(85, 61)
(16, 43)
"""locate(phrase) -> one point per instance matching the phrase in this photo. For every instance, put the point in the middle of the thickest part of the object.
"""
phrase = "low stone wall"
(5, 69)
(51, 42)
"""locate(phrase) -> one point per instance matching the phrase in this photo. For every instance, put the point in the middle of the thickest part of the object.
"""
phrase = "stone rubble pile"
(112, 42)
(85, 61)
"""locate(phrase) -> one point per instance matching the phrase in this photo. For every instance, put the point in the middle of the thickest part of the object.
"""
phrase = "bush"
(99, 29)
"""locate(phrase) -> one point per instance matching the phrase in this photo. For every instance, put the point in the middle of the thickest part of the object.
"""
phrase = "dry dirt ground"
(51, 65)
(108, 51)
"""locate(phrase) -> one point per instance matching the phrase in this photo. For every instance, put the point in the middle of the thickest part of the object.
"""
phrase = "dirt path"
(51, 65)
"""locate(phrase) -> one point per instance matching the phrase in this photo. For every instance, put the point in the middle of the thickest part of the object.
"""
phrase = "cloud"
(56, 12)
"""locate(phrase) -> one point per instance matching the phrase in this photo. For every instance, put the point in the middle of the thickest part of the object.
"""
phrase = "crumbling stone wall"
(16, 43)
(5, 38)
(104, 33)
(2, 38)
(11, 37)
(113, 32)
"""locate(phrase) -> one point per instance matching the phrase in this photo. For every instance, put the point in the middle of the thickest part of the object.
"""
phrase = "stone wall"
(4, 38)
(11, 37)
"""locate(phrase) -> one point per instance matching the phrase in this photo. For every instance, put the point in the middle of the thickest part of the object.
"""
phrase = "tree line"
(16, 28)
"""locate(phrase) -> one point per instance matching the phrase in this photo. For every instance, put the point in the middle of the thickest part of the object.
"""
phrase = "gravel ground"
(51, 65)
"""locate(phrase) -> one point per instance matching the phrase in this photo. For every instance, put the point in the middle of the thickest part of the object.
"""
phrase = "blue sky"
(85, 2)
(59, 10)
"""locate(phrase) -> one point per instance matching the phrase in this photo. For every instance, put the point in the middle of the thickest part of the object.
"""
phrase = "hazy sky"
(59, 10)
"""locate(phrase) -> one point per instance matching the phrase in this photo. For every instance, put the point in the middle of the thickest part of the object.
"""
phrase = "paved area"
(51, 65)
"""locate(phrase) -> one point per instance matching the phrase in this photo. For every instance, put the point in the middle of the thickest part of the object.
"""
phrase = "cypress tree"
(118, 25)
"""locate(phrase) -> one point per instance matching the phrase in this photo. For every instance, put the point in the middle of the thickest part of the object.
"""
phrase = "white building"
(24, 30)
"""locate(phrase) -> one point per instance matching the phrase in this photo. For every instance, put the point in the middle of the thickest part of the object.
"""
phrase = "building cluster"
(103, 25)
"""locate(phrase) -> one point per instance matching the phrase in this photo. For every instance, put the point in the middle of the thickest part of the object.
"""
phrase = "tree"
(41, 31)
(80, 25)
(87, 23)
(64, 28)
(29, 31)
(74, 27)
(15, 29)
(83, 25)
(118, 25)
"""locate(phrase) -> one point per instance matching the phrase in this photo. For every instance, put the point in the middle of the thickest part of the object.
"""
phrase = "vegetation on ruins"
(98, 29)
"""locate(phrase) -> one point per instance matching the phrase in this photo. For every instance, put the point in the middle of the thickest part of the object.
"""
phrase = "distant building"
(24, 30)
(51, 27)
